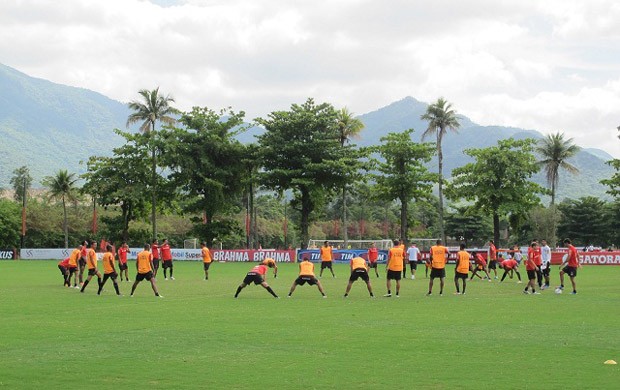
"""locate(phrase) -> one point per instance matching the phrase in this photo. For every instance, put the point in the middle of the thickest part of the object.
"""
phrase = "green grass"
(198, 336)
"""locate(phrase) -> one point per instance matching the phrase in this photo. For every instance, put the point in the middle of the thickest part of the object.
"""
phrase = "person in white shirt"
(413, 254)
(545, 257)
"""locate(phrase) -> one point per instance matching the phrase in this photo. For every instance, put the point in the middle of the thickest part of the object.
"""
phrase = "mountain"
(49, 126)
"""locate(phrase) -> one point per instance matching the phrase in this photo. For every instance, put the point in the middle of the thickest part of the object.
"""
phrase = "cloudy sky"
(550, 65)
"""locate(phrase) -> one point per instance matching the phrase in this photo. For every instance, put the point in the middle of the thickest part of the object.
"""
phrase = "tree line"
(189, 170)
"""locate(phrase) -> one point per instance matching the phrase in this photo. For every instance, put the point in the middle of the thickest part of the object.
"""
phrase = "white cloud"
(544, 65)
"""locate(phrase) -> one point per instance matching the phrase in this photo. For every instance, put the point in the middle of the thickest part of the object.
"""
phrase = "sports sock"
(165, 269)
(238, 291)
(84, 285)
(518, 276)
(389, 292)
(271, 291)
(170, 271)
(116, 288)
(464, 286)
(99, 281)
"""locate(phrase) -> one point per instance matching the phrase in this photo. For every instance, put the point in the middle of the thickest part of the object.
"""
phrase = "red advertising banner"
(590, 258)
(281, 256)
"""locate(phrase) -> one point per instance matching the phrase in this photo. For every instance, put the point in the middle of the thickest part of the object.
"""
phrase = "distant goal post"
(190, 243)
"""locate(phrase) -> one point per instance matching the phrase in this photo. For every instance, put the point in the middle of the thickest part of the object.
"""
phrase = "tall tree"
(349, 127)
(441, 118)
(584, 220)
(402, 173)
(152, 109)
(555, 150)
(21, 182)
(62, 187)
(498, 181)
(301, 151)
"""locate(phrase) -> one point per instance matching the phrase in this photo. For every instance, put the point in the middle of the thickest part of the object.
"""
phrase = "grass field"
(198, 336)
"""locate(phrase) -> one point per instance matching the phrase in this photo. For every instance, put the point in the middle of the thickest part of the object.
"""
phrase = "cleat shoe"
(172, 278)
(526, 292)
(387, 295)
(536, 293)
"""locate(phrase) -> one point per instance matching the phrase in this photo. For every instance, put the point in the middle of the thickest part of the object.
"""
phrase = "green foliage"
(10, 224)
(543, 223)
(498, 182)
(555, 150)
(469, 225)
(62, 186)
(21, 183)
(613, 182)
(584, 221)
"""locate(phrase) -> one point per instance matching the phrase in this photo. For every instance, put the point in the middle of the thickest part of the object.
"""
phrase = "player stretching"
(306, 275)
(109, 272)
(532, 268)
(73, 269)
(63, 266)
(545, 256)
(413, 254)
(91, 263)
(166, 256)
(439, 255)
(358, 270)
(570, 266)
(122, 260)
(373, 256)
(257, 276)
(144, 266)
(509, 266)
(206, 258)
(271, 263)
(327, 257)
(481, 265)
(462, 269)
(395, 265)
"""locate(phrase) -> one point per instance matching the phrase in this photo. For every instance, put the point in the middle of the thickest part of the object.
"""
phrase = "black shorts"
(303, 279)
(571, 271)
(155, 263)
(167, 264)
(206, 266)
(460, 275)
(72, 270)
(326, 264)
(253, 277)
(62, 269)
(546, 271)
(394, 275)
(112, 275)
(92, 271)
(122, 266)
(359, 273)
(493, 264)
(438, 273)
(531, 274)
(372, 264)
(82, 263)
(413, 264)
(140, 277)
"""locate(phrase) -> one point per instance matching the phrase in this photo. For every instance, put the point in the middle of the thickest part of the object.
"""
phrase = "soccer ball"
(558, 290)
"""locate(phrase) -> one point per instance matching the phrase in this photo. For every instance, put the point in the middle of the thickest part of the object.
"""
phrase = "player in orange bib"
(439, 255)
(109, 272)
(327, 257)
(257, 276)
(206, 258)
(144, 266)
(359, 269)
(73, 269)
(306, 275)
(462, 269)
(395, 265)
(91, 263)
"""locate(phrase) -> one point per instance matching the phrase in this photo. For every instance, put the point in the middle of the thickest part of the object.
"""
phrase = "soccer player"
(532, 268)
(144, 266)
(359, 269)
(462, 269)
(91, 263)
(306, 275)
(63, 266)
(206, 258)
(109, 272)
(73, 269)
(508, 266)
(481, 265)
(413, 254)
(373, 256)
(401, 244)
(82, 262)
(439, 255)
(394, 266)
(257, 276)
(155, 253)
(570, 266)
(493, 257)
(545, 256)
(166, 256)
(517, 255)
(271, 263)
(533, 252)
(327, 257)
(122, 260)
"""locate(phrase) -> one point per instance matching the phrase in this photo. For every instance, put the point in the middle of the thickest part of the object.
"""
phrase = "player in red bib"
(533, 258)
(373, 256)
(122, 260)
(510, 265)
(63, 266)
(155, 253)
(570, 266)
(166, 256)
(481, 265)
(257, 276)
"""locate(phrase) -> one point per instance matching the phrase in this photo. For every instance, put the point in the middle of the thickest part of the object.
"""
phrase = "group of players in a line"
(537, 263)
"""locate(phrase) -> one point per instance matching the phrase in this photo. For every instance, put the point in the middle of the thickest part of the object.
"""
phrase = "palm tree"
(153, 107)
(62, 187)
(555, 150)
(348, 127)
(440, 117)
